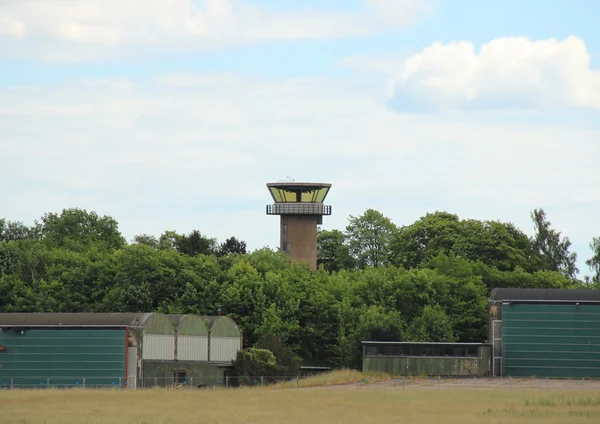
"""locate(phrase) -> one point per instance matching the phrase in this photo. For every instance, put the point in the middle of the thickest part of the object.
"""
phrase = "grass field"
(378, 401)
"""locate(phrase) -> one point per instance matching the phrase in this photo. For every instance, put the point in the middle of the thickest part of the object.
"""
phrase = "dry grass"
(354, 403)
(336, 378)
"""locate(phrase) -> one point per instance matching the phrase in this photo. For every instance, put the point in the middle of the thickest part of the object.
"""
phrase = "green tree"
(147, 239)
(195, 243)
(284, 356)
(493, 243)
(332, 251)
(369, 238)
(594, 261)
(551, 249)
(78, 229)
(231, 246)
(254, 362)
(434, 325)
(11, 230)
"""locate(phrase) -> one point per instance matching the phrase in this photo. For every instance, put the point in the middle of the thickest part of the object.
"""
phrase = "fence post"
(262, 381)
(48, 382)
(546, 383)
(402, 382)
(120, 381)
(227, 381)
(155, 381)
(297, 382)
(510, 383)
(84, 382)
(12, 386)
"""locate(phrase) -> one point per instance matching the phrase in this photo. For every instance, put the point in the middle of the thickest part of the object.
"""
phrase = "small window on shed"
(438, 351)
(471, 351)
(459, 351)
(416, 351)
(179, 377)
(371, 350)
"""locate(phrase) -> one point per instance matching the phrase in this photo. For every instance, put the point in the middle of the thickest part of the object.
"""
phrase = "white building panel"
(159, 347)
(192, 348)
(224, 349)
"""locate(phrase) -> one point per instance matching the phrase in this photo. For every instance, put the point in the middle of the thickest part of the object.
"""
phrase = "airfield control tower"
(301, 208)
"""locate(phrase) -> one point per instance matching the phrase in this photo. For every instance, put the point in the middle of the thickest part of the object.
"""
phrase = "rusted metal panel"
(192, 348)
(224, 349)
(158, 347)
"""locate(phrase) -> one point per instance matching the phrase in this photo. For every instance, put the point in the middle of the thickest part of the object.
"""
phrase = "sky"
(174, 115)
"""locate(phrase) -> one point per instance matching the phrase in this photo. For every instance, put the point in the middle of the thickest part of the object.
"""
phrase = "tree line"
(427, 281)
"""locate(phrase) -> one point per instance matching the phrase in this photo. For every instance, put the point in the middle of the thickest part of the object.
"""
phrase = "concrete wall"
(298, 237)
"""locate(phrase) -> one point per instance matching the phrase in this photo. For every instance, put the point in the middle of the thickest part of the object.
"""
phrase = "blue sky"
(174, 115)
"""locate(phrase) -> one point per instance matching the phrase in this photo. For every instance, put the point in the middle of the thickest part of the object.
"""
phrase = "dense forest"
(428, 281)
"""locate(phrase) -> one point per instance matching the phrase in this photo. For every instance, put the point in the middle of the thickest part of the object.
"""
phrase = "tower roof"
(298, 192)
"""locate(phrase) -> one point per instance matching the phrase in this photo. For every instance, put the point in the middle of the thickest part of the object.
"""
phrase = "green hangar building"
(545, 332)
(114, 349)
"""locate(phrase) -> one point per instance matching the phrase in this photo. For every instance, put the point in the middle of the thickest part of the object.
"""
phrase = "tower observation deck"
(301, 208)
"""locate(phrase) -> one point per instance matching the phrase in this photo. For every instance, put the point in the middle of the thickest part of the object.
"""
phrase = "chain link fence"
(401, 383)
(145, 383)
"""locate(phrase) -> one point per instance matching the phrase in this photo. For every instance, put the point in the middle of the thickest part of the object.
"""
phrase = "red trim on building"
(126, 385)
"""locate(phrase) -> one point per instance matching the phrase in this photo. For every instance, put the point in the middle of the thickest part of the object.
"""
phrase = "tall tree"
(232, 246)
(493, 243)
(147, 239)
(332, 251)
(552, 250)
(369, 238)
(594, 261)
(78, 229)
(433, 325)
(13, 230)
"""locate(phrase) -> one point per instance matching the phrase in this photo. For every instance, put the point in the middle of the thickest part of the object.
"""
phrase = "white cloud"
(506, 72)
(195, 151)
(85, 29)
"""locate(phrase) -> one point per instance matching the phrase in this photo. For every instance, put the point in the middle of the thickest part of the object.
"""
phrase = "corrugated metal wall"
(547, 340)
(224, 349)
(158, 347)
(478, 365)
(64, 356)
(192, 348)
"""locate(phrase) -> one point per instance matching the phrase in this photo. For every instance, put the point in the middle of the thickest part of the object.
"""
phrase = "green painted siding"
(223, 327)
(408, 366)
(192, 325)
(385, 358)
(158, 324)
(160, 373)
(64, 356)
(550, 340)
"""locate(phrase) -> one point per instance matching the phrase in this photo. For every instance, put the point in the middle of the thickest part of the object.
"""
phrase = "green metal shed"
(426, 359)
(41, 349)
(545, 332)
(225, 339)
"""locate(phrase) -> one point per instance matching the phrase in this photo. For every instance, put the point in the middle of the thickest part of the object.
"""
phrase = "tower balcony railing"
(298, 209)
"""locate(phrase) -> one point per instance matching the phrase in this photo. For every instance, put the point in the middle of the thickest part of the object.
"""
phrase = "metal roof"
(47, 319)
(425, 343)
(549, 295)
(295, 184)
